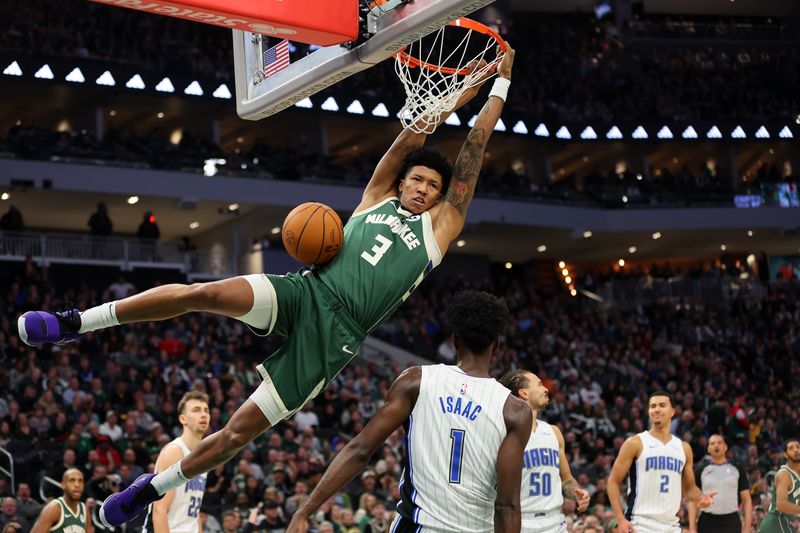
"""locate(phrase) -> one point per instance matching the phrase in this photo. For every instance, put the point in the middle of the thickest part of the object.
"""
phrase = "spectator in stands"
(12, 220)
(122, 288)
(27, 507)
(148, 229)
(100, 223)
(10, 514)
(110, 428)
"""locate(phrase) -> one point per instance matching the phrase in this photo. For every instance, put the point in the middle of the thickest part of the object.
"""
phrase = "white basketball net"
(431, 93)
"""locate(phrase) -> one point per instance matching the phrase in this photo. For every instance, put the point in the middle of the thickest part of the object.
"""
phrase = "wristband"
(500, 88)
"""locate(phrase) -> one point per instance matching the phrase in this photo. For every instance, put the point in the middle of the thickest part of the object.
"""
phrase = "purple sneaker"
(41, 327)
(129, 503)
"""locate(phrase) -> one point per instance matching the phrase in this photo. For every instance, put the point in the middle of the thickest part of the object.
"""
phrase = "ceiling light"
(563, 133)
(45, 73)
(5, 196)
(541, 131)
(656, 235)
(305, 103)
(75, 76)
(508, 266)
(588, 133)
(573, 292)
(587, 234)
(106, 79)
(330, 104)
(689, 133)
(193, 89)
(355, 108)
(621, 262)
(564, 272)
(541, 248)
(165, 86)
(160, 114)
(136, 82)
(222, 92)
(380, 111)
(194, 225)
(639, 133)
(452, 120)
(749, 233)
(520, 128)
(133, 200)
(624, 199)
(500, 126)
(275, 230)
(233, 207)
(13, 69)
(568, 279)
(460, 243)
(614, 133)
(112, 113)
(561, 264)
(723, 247)
(631, 249)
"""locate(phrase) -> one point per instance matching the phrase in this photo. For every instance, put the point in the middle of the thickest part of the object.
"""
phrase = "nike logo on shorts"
(344, 349)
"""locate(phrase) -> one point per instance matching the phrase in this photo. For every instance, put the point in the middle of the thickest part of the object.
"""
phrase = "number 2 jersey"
(452, 439)
(654, 480)
(185, 506)
(387, 252)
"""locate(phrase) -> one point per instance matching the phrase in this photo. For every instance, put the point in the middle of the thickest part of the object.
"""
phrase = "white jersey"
(654, 481)
(541, 498)
(452, 439)
(185, 506)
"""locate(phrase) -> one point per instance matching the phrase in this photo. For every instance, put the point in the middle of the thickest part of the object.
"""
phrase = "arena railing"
(632, 293)
(125, 253)
(9, 472)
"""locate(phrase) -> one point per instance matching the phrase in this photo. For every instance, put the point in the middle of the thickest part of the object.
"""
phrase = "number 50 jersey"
(452, 439)
(387, 252)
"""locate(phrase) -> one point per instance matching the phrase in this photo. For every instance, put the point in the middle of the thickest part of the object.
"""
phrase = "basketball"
(312, 233)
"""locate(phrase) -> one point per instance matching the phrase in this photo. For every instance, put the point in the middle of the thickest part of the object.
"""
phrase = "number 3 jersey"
(654, 480)
(541, 495)
(452, 439)
(185, 506)
(387, 252)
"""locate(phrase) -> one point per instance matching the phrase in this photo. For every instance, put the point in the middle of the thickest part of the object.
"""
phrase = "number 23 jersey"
(387, 252)
(452, 439)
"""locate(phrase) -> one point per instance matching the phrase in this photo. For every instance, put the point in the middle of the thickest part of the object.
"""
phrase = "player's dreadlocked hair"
(431, 159)
(514, 380)
(478, 318)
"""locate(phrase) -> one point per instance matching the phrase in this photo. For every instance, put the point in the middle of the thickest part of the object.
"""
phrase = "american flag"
(276, 58)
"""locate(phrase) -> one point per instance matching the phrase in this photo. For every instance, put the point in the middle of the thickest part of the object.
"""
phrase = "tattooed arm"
(569, 487)
(450, 219)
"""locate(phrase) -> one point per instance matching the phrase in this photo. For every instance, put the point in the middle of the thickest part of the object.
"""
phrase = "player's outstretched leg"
(231, 297)
(247, 423)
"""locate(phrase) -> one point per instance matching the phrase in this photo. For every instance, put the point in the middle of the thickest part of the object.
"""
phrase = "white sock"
(102, 316)
(169, 479)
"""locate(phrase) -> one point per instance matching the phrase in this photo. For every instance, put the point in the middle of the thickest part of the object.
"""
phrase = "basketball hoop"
(435, 72)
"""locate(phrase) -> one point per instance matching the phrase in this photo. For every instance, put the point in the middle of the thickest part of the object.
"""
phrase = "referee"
(730, 483)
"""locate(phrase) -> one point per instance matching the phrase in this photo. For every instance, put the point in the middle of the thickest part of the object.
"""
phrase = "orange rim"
(470, 24)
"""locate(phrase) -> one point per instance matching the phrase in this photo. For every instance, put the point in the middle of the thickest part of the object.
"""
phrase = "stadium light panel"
(193, 89)
(541, 131)
(639, 133)
(762, 133)
(614, 133)
(330, 104)
(500, 126)
(588, 133)
(689, 133)
(472, 121)
(664, 133)
(380, 111)
(75, 76)
(305, 103)
(44, 73)
(738, 133)
(106, 79)
(136, 82)
(165, 86)
(520, 128)
(13, 69)
(714, 133)
(563, 133)
(355, 108)
(453, 120)
(785, 133)
(222, 92)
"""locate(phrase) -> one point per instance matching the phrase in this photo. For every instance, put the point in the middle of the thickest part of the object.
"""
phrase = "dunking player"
(546, 478)
(659, 469)
(396, 235)
(66, 514)
(464, 436)
(785, 503)
(178, 510)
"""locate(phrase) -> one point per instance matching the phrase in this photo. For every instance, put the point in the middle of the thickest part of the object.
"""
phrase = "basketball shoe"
(126, 505)
(42, 327)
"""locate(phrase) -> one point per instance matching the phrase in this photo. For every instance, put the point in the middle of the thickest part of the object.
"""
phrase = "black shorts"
(719, 523)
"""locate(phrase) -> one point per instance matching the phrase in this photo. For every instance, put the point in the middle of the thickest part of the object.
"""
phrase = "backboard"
(390, 26)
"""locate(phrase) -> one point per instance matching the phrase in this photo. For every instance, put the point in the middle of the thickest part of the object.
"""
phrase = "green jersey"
(776, 522)
(387, 253)
(70, 522)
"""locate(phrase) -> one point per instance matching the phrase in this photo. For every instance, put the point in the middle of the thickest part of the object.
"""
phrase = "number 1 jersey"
(452, 439)
(387, 252)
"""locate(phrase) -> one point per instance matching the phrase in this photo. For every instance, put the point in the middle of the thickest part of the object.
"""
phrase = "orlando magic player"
(465, 435)
(659, 469)
(178, 510)
(546, 477)
(66, 514)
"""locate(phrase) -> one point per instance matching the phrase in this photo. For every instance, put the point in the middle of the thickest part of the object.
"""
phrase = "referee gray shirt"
(728, 480)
